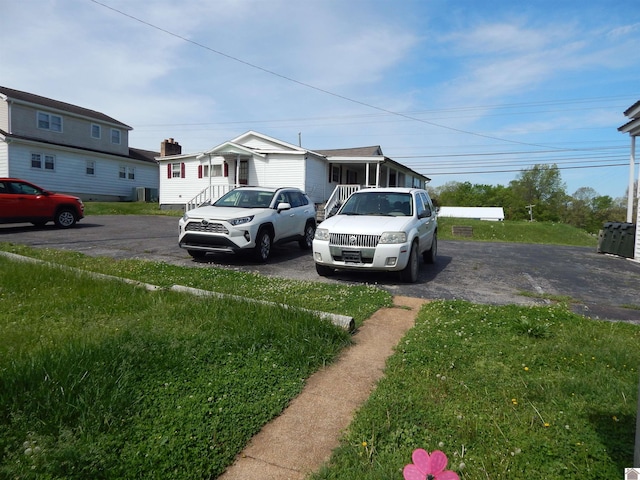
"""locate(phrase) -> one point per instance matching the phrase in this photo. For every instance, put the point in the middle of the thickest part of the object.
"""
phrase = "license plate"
(351, 256)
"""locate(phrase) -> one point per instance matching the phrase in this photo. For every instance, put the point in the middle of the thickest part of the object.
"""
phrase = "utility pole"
(530, 208)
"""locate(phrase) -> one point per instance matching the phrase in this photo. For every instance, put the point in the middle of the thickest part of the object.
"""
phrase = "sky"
(460, 91)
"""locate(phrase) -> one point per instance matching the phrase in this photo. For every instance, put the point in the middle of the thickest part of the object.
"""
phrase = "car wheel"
(430, 255)
(197, 253)
(306, 242)
(263, 245)
(324, 271)
(410, 272)
(65, 218)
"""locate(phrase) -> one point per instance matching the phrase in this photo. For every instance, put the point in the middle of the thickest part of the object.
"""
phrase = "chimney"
(170, 147)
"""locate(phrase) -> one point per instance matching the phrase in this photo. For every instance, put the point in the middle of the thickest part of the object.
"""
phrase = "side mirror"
(283, 206)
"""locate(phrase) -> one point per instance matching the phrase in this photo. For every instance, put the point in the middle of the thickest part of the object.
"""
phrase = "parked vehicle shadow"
(279, 255)
(427, 273)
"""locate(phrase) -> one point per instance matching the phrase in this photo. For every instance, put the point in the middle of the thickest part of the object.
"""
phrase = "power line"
(308, 85)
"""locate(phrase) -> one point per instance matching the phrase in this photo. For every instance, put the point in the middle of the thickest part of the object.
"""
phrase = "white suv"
(249, 218)
(383, 229)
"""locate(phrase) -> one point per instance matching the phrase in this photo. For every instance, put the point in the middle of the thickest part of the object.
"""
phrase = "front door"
(243, 173)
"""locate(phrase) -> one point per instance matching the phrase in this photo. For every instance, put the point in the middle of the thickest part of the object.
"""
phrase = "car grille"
(353, 240)
(206, 227)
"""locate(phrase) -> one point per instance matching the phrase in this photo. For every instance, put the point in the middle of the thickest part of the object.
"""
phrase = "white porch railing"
(211, 193)
(339, 195)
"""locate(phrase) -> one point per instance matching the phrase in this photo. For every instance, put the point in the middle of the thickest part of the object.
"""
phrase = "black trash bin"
(627, 240)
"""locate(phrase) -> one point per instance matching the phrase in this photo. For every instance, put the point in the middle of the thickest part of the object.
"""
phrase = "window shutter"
(330, 173)
(226, 169)
(168, 170)
(199, 171)
(182, 170)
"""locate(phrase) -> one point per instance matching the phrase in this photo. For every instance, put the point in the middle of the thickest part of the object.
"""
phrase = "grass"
(100, 379)
(518, 232)
(127, 208)
(359, 302)
(506, 392)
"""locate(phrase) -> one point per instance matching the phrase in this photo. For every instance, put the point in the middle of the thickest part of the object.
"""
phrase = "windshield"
(245, 199)
(378, 203)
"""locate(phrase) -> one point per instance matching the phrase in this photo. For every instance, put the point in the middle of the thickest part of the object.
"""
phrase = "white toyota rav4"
(384, 229)
(249, 218)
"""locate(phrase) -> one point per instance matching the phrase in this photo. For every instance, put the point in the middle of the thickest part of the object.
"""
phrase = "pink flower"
(428, 467)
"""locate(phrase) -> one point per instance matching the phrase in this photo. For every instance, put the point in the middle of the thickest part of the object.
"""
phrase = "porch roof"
(371, 154)
(231, 149)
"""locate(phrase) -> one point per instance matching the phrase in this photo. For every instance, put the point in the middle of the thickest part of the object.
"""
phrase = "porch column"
(632, 178)
(388, 176)
(366, 174)
(237, 182)
(377, 174)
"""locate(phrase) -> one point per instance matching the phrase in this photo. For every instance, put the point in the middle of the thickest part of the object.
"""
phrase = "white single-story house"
(495, 214)
(188, 180)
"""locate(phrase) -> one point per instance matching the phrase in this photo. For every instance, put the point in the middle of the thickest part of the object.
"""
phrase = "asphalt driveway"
(598, 286)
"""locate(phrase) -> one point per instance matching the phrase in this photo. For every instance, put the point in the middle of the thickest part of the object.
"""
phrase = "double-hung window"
(115, 136)
(96, 131)
(43, 162)
(48, 121)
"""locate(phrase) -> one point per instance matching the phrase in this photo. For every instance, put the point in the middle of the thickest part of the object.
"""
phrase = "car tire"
(197, 253)
(65, 218)
(410, 273)
(306, 242)
(430, 255)
(262, 250)
(324, 271)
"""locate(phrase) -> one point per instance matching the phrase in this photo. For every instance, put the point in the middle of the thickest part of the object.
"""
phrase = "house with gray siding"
(71, 149)
(327, 176)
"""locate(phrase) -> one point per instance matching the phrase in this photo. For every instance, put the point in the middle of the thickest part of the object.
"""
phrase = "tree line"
(537, 194)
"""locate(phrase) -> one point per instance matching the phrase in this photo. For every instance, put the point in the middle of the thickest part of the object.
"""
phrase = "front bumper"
(390, 257)
(225, 239)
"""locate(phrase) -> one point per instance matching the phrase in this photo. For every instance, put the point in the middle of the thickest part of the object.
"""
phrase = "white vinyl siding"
(70, 168)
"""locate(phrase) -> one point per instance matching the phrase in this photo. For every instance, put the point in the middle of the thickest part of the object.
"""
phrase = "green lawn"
(507, 392)
(101, 379)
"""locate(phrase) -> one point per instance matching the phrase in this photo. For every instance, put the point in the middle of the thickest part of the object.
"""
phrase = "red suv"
(21, 201)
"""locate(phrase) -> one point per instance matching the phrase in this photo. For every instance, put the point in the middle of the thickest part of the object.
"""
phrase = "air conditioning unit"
(144, 194)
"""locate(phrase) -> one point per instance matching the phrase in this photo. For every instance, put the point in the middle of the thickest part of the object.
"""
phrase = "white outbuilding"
(495, 214)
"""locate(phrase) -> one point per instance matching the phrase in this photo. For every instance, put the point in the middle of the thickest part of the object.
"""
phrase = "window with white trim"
(115, 136)
(48, 121)
(91, 167)
(96, 131)
(176, 171)
(127, 173)
(43, 162)
(216, 170)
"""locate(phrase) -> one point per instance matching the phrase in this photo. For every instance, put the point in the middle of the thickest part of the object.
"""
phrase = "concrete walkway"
(302, 438)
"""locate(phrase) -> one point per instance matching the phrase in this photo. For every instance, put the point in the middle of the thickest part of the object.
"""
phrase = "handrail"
(338, 196)
(211, 193)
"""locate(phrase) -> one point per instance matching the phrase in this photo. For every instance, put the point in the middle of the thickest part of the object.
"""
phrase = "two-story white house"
(327, 176)
(71, 149)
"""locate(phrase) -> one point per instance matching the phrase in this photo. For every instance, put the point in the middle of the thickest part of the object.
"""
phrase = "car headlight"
(393, 237)
(240, 220)
(185, 217)
(322, 234)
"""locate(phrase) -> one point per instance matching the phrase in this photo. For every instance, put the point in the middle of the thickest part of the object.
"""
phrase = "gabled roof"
(32, 99)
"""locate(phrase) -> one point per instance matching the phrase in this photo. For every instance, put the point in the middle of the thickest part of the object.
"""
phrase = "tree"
(543, 187)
